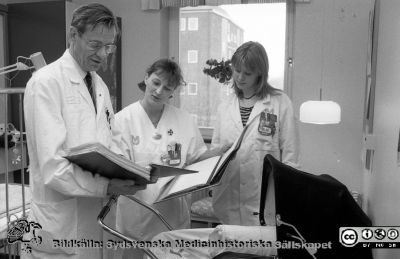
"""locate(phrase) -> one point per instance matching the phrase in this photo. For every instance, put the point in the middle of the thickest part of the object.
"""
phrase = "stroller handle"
(106, 209)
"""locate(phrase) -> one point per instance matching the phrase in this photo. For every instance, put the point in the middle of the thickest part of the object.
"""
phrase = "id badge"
(174, 153)
(266, 126)
(263, 128)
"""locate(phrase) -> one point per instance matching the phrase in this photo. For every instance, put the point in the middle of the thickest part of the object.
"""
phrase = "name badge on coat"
(173, 155)
(267, 124)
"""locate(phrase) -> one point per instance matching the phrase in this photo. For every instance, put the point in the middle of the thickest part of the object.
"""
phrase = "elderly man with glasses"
(67, 104)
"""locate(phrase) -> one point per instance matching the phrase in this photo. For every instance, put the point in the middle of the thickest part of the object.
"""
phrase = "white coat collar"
(234, 114)
(73, 70)
(259, 106)
(76, 76)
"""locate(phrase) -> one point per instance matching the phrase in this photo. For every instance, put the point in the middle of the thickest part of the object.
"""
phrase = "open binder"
(210, 173)
(98, 159)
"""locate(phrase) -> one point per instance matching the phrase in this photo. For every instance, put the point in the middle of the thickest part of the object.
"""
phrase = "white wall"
(330, 51)
(385, 178)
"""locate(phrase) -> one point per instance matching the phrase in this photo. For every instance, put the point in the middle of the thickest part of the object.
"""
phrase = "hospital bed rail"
(18, 164)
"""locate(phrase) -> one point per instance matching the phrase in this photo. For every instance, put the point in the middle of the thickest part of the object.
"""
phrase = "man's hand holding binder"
(98, 159)
(124, 187)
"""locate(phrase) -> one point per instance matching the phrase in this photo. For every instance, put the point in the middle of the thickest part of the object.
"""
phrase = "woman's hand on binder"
(217, 151)
(123, 187)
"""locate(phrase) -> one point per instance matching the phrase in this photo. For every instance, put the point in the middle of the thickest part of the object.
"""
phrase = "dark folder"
(98, 159)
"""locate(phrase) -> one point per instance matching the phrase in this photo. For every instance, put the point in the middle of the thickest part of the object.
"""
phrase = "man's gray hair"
(93, 15)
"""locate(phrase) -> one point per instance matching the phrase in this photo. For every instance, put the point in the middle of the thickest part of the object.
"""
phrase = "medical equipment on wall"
(14, 198)
(36, 59)
(13, 154)
(13, 137)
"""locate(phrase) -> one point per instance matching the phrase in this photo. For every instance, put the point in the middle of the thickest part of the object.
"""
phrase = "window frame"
(182, 23)
(190, 24)
(188, 88)
(196, 58)
(227, 90)
(288, 67)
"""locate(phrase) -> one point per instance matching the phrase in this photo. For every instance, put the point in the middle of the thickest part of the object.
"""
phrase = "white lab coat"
(237, 199)
(138, 135)
(59, 114)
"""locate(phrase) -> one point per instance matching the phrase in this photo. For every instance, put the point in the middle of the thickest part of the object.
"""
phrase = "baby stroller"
(309, 208)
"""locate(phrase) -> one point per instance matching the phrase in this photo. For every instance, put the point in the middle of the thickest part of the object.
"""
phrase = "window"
(192, 56)
(227, 89)
(182, 24)
(231, 26)
(193, 23)
(192, 88)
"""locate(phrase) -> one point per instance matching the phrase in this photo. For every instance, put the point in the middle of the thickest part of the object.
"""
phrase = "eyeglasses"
(96, 46)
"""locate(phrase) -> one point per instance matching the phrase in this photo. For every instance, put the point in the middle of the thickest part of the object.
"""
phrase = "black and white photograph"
(199, 129)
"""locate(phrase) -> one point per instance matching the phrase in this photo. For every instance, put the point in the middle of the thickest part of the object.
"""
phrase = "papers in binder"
(182, 184)
(98, 159)
(210, 173)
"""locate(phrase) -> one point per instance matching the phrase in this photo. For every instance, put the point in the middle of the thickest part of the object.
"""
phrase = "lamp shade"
(320, 112)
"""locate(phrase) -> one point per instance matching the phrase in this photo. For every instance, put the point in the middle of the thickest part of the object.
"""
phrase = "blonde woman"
(272, 129)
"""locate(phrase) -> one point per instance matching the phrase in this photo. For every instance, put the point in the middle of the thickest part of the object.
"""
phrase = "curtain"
(158, 4)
